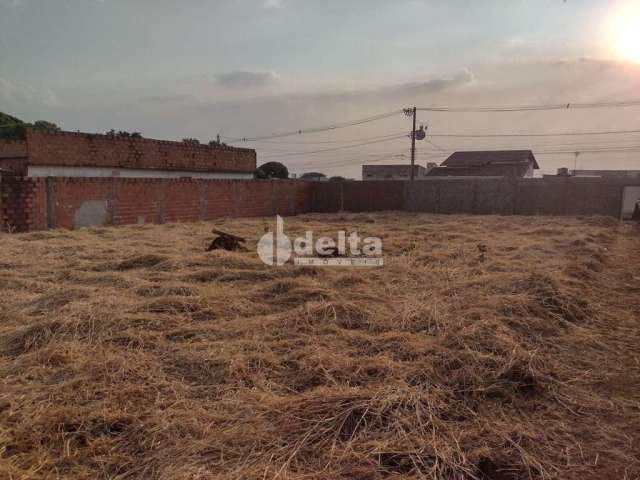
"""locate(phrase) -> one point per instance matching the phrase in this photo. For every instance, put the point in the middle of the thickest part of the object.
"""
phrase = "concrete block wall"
(69, 149)
(71, 202)
(500, 196)
(367, 196)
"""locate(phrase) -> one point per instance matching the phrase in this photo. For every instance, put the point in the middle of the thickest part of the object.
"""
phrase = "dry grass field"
(131, 353)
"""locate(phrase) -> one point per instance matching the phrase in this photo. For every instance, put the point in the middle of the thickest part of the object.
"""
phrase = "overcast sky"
(195, 68)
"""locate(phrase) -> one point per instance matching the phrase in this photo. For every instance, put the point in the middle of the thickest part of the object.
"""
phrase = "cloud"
(460, 79)
(244, 79)
(13, 94)
(164, 99)
(273, 4)
(393, 92)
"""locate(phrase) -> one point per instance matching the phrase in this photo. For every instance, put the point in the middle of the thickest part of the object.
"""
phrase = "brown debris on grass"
(131, 353)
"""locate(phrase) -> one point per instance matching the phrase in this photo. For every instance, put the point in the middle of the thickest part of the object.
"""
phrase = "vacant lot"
(132, 353)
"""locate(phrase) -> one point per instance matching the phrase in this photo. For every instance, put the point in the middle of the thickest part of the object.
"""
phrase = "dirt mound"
(54, 300)
(546, 299)
(141, 261)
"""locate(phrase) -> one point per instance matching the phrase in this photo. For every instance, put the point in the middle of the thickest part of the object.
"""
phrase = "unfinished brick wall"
(68, 149)
(13, 148)
(68, 202)
(14, 166)
(13, 156)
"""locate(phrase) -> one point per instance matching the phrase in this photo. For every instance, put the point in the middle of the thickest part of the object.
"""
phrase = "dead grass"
(132, 353)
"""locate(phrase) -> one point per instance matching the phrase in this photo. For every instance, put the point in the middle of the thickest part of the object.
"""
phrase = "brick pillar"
(2, 220)
(162, 202)
(202, 199)
(51, 202)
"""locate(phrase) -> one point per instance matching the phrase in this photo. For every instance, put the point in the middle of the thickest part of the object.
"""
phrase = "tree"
(337, 178)
(44, 125)
(12, 128)
(123, 134)
(272, 170)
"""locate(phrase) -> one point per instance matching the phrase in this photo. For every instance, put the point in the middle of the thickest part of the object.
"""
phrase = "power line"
(370, 158)
(630, 149)
(562, 134)
(406, 156)
(536, 146)
(332, 149)
(346, 163)
(349, 161)
(604, 149)
(304, 131)
(286, 148)
(434, 154)
(529, 108)
(329, 141)
(507, 135)
(426, 155)
(433, 144)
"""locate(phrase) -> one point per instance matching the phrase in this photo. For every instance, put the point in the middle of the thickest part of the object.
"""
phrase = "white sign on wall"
(629, 200)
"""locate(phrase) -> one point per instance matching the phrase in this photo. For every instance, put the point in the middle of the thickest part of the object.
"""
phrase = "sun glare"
(627, 35)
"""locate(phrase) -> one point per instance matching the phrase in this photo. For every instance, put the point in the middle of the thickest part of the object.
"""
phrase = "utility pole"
(412, 112)
(413, 145)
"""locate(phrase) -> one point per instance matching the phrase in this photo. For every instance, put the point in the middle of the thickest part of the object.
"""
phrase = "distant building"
(610, 174)
(562, 172)
(501, 163)
(314, 177)
(392, 172)
(607, 173)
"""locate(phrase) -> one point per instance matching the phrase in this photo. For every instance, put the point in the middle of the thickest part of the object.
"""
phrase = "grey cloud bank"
(246, 79)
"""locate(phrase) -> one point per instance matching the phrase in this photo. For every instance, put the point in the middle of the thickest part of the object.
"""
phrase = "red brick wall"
(70, 193)
(93, 150)
(218, 199)
(182, 200)
(16, 166)
(13, 156)
(13, 148)
(36, 203)
(23, 204)
(136, 200)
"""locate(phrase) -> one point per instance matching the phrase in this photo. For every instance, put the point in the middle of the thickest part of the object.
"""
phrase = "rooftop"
(482, 158)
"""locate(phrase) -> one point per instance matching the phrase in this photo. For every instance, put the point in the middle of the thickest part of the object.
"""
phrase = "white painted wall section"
(47, 171)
